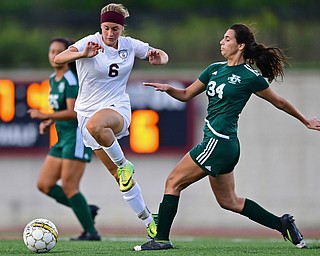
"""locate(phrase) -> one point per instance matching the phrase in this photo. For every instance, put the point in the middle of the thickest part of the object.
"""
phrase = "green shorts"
(70, 145)
(215, 155)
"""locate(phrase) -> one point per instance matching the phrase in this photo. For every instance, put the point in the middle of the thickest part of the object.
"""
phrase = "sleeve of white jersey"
(81, 44)
(140, 48)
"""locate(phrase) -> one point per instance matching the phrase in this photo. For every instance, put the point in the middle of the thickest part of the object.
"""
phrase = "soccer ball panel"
(40, 245)
(37, 233)
(47, 237)
(30, 240)
(40, 235)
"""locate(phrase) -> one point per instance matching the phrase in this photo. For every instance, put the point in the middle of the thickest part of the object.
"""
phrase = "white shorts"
(89, 141)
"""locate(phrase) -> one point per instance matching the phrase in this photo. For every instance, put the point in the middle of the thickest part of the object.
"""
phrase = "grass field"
(184, 246)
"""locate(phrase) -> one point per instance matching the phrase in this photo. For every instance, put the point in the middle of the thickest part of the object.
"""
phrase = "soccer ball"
(40, 235)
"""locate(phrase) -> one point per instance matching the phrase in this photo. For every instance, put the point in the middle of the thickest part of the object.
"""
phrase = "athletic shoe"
(94, 211)
(86, 236)
(152, 229)
(125, 176)
(154, 245)
(290, 231)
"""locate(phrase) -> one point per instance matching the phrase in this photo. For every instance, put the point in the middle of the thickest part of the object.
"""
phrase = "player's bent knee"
(230, 205)
(43, 187)
(92, 127)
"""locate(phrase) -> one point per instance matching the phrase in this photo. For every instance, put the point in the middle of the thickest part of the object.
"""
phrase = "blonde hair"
(119, 8)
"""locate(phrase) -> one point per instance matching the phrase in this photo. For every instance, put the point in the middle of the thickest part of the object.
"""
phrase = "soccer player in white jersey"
(104, 62)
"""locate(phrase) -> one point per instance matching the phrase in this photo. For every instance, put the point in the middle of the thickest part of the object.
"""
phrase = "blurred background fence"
(189, 30)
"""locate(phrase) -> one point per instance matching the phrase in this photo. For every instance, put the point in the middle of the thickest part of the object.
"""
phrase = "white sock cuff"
(132, 193)
(115, 153)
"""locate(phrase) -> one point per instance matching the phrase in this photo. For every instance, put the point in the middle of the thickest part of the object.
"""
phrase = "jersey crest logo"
(215, 73)
(234, 79)
(61, 87)
(123, 54)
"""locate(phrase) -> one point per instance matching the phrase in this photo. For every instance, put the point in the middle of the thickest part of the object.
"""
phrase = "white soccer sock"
(116, 154)
(134, 198)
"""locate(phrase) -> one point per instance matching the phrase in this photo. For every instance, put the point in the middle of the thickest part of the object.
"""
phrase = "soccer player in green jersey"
(67, 159)
(228, 86)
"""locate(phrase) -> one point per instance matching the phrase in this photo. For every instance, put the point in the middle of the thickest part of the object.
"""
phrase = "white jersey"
(103, 78)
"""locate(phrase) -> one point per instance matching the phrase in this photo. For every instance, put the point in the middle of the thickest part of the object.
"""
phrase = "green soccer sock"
(82, 211)
(57, 193)
(256, 213)
(167, 211)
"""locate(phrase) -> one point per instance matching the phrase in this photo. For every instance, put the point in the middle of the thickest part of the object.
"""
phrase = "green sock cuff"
(248, 205)
(76, 196)
(57, 193)
(258, 214)
(56, 189)
(170, 199)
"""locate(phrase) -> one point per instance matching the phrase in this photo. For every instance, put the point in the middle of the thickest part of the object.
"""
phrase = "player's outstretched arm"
(180, 94)
(282, 104)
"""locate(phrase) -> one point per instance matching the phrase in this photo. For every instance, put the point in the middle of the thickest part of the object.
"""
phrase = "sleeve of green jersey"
(72, 91)
(204, 77)
(258, 84)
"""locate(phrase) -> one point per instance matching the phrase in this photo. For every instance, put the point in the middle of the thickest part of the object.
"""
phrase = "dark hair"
(66, 42)
(269, 60)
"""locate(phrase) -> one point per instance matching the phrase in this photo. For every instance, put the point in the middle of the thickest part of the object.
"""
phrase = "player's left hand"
(44, 126)
(154, 57)
(36, 114)
(314, 124)
(158, 87)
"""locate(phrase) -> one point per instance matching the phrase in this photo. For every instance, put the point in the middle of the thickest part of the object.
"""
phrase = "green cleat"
(125, 177)
(86, 236)
(152, 229)
(154, 245)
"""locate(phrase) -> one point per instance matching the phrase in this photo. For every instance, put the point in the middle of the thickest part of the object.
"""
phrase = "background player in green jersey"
(228, 86)
(68, 157)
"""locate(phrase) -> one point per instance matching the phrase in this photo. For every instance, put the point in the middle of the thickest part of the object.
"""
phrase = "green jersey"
(60, 91)
(228, 90)
(70, 144)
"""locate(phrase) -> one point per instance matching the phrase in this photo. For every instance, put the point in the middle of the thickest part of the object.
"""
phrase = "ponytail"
(269, 60)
